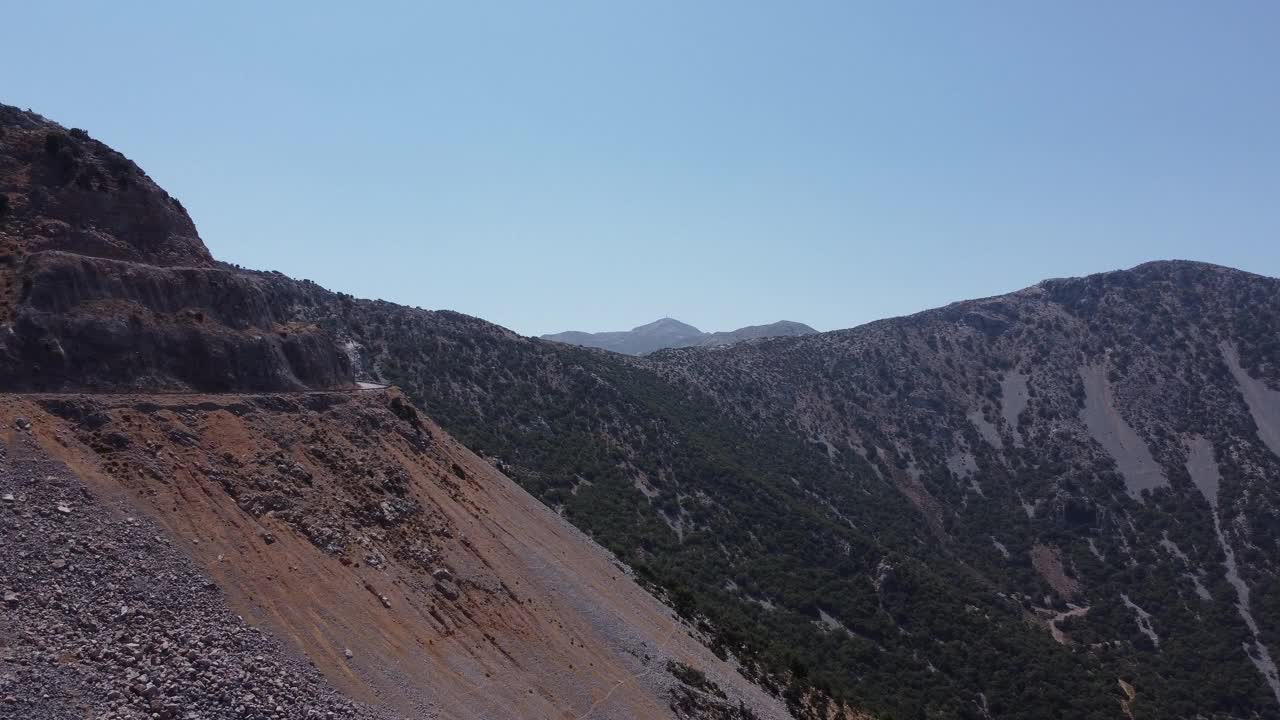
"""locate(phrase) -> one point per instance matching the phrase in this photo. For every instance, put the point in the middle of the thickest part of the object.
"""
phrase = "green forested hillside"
(896, 514)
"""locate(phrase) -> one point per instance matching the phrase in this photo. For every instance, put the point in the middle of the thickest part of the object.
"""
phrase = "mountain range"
(671, 333)
(1059, 502)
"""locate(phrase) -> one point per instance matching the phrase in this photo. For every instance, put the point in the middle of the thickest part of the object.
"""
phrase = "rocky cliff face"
(106, 284)
(97, 324)
(63, 190)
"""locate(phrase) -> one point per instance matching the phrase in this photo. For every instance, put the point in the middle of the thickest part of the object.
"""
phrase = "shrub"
(64, 151)
(55, 141)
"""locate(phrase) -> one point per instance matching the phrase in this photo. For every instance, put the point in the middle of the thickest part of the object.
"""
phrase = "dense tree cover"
(772, 541)
(896, 580)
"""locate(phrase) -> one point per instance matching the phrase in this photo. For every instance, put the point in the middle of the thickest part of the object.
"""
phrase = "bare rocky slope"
(409, 574)
(205, 516)
(104, 617)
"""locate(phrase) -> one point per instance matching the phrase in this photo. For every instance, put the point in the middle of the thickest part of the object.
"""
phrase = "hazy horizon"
(570, 166)
(632, 326)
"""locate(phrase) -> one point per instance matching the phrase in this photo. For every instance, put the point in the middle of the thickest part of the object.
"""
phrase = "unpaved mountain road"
(361, 387)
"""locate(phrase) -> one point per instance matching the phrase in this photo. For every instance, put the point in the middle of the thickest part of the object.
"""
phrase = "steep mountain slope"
(819, 582)
(1055, 503)
(306, 534)
(671, 333)
(987, 508)
(409, 572)
(103, 617)
(1101, 440)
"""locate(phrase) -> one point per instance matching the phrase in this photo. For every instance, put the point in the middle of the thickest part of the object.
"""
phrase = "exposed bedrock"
(92, 323)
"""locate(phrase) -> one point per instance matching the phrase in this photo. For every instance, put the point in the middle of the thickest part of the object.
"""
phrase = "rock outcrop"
(106, 285)
(86, 323)
(64, 190)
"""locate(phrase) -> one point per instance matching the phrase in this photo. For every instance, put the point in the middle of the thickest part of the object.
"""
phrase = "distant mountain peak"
(667, 325)
(668, 332)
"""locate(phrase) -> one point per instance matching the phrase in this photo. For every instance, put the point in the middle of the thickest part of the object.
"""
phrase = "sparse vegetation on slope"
(1059, 502)
(867, 513)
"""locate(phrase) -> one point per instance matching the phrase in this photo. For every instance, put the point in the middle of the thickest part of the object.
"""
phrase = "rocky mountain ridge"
(1106, 410)
(671, 333)
(1030, 455)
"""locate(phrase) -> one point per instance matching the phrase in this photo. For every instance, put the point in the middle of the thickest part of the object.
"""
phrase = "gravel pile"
(101, 617)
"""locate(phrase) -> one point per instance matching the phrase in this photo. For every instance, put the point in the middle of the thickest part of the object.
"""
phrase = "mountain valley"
(1059, 502)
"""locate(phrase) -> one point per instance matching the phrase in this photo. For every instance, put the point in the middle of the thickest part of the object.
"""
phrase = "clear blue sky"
(595, 165)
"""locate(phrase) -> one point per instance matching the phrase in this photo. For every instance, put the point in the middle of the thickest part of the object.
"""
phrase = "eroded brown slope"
(413, 575)
(102, 617)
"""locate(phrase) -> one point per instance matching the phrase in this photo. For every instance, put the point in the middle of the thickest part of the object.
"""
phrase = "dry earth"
(415, 577)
